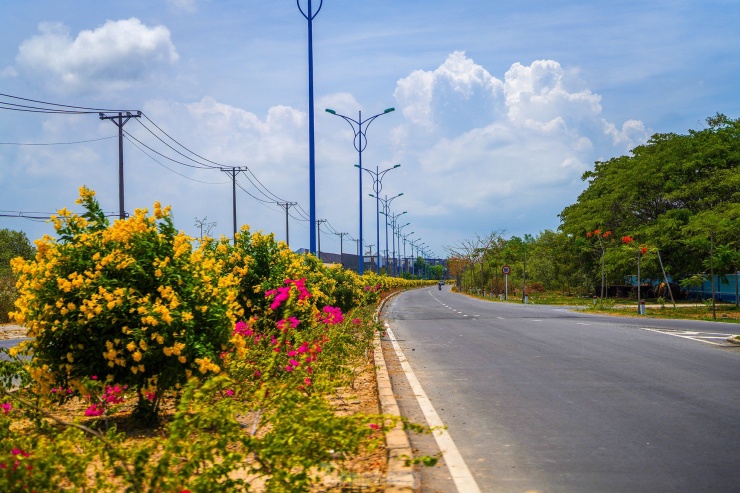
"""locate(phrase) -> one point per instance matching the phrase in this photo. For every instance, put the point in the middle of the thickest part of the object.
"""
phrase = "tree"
(12, 244)
(655, 193)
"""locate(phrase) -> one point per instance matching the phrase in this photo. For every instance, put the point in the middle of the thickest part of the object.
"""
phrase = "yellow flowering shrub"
(131, 303)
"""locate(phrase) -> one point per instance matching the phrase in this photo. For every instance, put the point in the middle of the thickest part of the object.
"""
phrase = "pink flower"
(356, 321)
(307, 380)
(7, 407)
(94, 410)
(292, 352)
(17, 451)
(374, 426)
(332, 315)
(293, 362)
(243, 329)
(94, 377)
(303, 348)
(229, 392)
(291, 322)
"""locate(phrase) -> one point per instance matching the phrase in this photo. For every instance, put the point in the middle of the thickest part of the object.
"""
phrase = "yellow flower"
(182, 359)
(167, 351)
(131, 346)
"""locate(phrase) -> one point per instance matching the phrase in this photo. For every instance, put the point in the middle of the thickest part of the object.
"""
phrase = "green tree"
(12, 244)
(655, 193)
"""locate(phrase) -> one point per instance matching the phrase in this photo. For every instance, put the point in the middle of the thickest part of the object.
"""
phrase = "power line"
(169, 169)
(78, 109)
(56, 143)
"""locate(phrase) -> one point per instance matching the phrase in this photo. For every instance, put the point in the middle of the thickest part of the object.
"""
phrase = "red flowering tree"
(601, 240)
(639, 250)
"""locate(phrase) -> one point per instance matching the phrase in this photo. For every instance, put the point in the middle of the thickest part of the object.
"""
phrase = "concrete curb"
(733, 340)
(400, 478)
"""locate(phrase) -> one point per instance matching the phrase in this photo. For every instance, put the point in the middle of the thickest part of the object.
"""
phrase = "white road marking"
(682, 336)
(464, 481)
(581, 323)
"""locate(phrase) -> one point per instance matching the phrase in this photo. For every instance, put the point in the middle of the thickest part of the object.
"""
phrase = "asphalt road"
(542, 399)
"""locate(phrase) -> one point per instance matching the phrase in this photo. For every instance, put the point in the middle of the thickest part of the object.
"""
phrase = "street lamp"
(360, 143)
(386, 210)
(377, 177)
(309, 15)
(405, 258)
(398, 236)
(394, 225)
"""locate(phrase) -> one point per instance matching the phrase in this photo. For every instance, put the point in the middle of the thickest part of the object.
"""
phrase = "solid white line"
(464, 481)
(681, 336)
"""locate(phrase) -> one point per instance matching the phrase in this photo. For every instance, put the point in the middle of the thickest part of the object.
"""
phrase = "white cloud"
(492, 148)
(116, 55)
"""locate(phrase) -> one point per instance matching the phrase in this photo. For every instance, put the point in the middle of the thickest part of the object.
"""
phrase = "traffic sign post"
(506, 270)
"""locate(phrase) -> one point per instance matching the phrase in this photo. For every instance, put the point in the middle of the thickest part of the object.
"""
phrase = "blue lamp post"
(386, 211)
(359, 127)
(398, 240)
(405, 258)
(377, 177)
(309, 14)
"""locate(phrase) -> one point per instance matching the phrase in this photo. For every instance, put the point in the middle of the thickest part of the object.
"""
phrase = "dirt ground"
(364, 473)
(10, 331)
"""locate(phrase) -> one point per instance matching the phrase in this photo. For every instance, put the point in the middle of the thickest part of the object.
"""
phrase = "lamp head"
(388, 110)
(328, 110)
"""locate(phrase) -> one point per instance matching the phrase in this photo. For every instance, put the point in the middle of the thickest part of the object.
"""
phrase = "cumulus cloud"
(116, 55)
(500, 147)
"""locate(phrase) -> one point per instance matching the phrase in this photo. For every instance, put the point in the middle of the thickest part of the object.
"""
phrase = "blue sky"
(500, 106)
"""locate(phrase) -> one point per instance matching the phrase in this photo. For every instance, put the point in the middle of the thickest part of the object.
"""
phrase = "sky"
(500, 107)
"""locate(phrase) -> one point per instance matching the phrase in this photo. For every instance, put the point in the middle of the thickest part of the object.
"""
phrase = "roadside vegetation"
(652, 226)
(156, 362)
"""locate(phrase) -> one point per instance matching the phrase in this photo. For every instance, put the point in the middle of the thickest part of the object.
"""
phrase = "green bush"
(129, 303)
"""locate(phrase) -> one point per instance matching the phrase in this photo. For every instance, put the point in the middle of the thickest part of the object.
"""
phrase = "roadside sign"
(506, 270)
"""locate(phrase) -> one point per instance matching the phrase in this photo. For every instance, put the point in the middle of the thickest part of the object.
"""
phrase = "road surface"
(543, 399)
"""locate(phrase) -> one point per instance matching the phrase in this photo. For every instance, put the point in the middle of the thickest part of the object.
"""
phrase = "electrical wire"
(169, 169)
(202, 165)
(202, 162)
(78, 109)
(57, 143)
(162, 155)
(179, 144)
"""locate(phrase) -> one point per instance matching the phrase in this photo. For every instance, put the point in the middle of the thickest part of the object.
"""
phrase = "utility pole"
(233, 171)
(119, 121)
(360, 258)
(341, 247)
(286, 206)
(318, 236)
